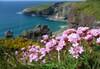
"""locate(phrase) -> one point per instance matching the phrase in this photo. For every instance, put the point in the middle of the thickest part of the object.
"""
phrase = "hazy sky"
(41, 0)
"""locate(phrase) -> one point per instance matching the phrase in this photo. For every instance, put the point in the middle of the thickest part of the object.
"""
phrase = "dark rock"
(37, 32)
(79, 19)
(9, 34)
(52, 10)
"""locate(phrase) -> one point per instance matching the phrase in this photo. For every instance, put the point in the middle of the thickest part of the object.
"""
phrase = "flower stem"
(58, 56)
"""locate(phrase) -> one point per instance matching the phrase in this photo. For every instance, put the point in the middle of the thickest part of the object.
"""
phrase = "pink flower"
(80, 32)
(64, 36)
(60, 45)
(48, 49)
(49, 44)
(43, 53)
(94, 32)
(54, 42)
(43, 41)
(58, 38)
(74, 38)
(88, 37)
(25, 54)
(43, 50)
(75, 44)
(76, 51)
(45, 37)
(83, 29)
(33, 57)
(98, 40)
(34, 49)
(69, 31)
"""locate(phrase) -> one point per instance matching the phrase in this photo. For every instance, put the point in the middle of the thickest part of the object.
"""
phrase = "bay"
(10, 20)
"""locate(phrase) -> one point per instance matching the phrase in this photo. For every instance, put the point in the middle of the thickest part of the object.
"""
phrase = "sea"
(11, 19)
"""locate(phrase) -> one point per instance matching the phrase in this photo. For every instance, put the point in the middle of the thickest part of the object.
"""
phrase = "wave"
(19, 13)
(63, 27)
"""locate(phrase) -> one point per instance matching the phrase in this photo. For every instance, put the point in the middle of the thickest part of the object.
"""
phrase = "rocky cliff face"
(55, 11)
(66, 11)
(76, 19)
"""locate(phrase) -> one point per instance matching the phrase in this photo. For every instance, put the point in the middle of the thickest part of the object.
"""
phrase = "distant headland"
(76, 13)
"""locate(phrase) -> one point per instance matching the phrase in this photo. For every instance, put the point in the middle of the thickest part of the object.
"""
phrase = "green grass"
(8, 58)
(40, 7)
(90, 7)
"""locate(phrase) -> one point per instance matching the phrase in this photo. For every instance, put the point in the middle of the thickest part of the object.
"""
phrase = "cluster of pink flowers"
(33, 53)
(59, 43)
(76, 50)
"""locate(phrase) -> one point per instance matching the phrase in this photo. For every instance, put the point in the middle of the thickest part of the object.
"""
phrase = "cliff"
(53, 11)
(76, 13)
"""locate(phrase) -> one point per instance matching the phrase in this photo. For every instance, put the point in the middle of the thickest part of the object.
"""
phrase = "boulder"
(9, 34)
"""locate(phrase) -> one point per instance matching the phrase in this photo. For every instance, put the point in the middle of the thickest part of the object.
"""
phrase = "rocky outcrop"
(9, 34)
(37, 32)
(69, 12)
(76, 19)
(55, 11)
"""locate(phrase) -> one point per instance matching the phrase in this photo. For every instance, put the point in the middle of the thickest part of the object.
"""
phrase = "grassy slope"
(40, 7)
(90, 7)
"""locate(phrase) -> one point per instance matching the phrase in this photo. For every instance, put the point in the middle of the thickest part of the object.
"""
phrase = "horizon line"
(42, 0)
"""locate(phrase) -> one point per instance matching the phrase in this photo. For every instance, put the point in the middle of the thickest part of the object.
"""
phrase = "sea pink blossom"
(49, 44)
(43, 52)
(80, 32)
(54, 42)
(88, 37)
(76, 51)
(48, 49)
(25, 54)
(43, 41)
(83, 29)
(59, 38)
(74, 38)
(34, 49)
(69, 31)
(94, 32)
(64, 37)
(33, 57)
(45, 37)
(75, 44)
(60, 45)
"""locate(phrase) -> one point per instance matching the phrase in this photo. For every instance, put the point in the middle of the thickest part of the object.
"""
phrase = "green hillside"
(90, 7)
(40, 7)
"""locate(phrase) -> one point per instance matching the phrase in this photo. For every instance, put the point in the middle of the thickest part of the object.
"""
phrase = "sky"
(42, 0)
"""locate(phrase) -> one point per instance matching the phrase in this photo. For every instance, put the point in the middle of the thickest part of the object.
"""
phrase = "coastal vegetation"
(84, 13)
(90, 7)
(40, 7)
(73, 48)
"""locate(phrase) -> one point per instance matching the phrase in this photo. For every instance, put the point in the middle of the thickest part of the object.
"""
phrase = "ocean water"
(10, 20)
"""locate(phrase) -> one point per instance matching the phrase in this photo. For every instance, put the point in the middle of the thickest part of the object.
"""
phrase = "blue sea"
(10, 20)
